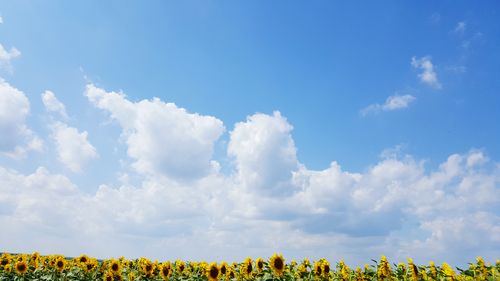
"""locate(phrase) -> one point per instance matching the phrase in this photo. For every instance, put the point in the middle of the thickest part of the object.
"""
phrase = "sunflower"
(246, 268)
(212, 271)
(180, 266)
(82, 259)
(108, 276)
(223, 268)
(90, 265)
(165, 270)
(5, 259)
(60, 264)
(277, 264)
(325, 267)
(34, 259)
(317, 269)
(259, 263)
(115, 267)
(8, 268)
(21, 267)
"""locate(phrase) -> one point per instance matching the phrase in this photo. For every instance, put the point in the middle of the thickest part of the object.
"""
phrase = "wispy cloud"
(6, 56)
(394, 102)
(460, 27)
(428, 75)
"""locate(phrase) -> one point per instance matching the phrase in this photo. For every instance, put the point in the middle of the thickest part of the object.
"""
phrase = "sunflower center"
(149, 267)
(21, 267)
(249, 268)
(214, 272)
(327, 268)
(5, 262)
(165, 271)
(278, 264)
(114, 267)
(181, 268)
(60, 264)
(223, 269)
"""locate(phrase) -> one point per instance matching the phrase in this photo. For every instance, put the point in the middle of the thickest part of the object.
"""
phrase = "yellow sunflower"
(5, 259)
(21, 267)
(180, 266)
(82, 259)
(165, 270)
(8, 268)
(277, 264)
(325, 267)
(60, 264)
(259, 263)
(108, 276)
(246, 268)
(115, 267)
(223, 268)
(90, 265)
(212, 272)
(317, 269)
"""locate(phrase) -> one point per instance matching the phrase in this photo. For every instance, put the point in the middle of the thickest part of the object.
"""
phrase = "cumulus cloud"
(6, 56)
(264, 152)
(17, 139)
(73, 148)
(162, 138)
(52, 104)
(428, 75)
(394, 102)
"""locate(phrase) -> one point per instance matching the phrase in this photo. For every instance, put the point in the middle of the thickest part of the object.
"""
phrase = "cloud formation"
(17, 139)
(162, 138)
(73, 148)
(6, 56)
(428, 75)
(52, 104)
(269, 202)
(394, 102)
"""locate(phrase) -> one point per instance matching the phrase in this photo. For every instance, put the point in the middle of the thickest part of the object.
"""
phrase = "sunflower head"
(82, 259)
(246, 268)
(317, 269)
(212, 271)
(5, 259)
(223, 268)
(259, 263)
(21, 267)
(325, 267)
(60, 264)
(180, 266)
(165, 270)
(277, 264)
(108, 276)
(115, 267)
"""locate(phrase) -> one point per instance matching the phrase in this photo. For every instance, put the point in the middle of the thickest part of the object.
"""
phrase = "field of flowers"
(56, 267)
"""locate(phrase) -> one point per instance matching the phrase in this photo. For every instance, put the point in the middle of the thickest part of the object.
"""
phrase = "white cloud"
(162, 138)
(428, 75)
(17, 139)
(394, 102)
(6, 56)
(73, 148)
(1, 20)
(264, 151)
(460, 27)
(52, 104)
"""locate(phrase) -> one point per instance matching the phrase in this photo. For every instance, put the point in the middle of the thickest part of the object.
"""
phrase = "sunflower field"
(56, 267)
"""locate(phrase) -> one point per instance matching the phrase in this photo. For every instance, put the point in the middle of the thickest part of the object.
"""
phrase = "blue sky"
(289, 104)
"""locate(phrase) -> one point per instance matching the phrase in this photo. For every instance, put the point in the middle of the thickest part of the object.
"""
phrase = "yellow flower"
(413, 270)
(384, 268)
(213, 272)
(180, 266)
(115, 267)
(108, 276)
(5, 259)
(82, 259)
(60, 263)
(432, 269)
(259, 263)
(165, 270)
(277, 264)
(246, 268)
(358, 274)
(448, 271)
(223, 267)
(8, 268)
(325, 267)
(317, 269)
(21, 267)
